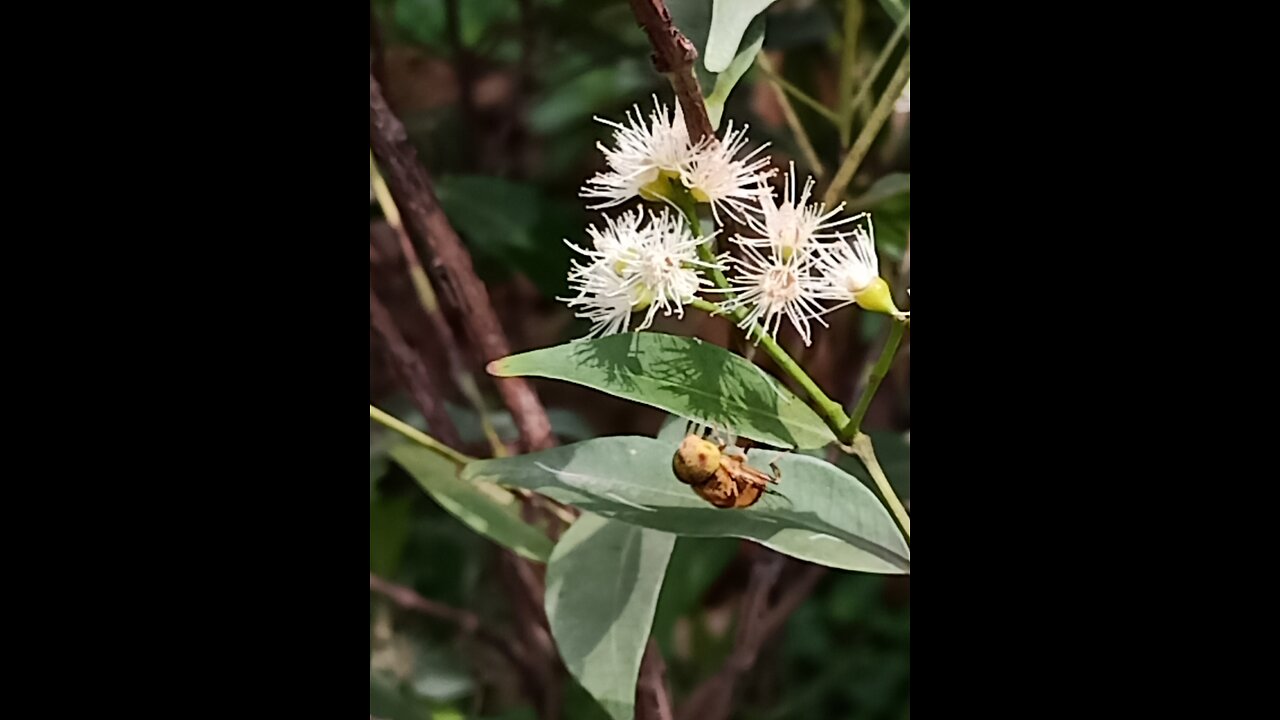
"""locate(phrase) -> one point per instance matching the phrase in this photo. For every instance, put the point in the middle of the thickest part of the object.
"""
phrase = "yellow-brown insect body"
(696, 460)
(721, 478)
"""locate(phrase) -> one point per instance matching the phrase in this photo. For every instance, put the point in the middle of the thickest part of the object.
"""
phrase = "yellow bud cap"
(699, 195)
(654, 191)
(643, 298)
(876, 298)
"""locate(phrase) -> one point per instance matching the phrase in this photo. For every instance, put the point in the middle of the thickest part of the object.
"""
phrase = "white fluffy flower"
(794, 225)
(714, 174)
(603, 298)
(851, 273)
(775, 288)
(850, 267)
(643, 152)
(637, 266)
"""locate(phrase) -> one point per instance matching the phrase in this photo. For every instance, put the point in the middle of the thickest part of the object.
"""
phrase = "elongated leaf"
(889, 186)
(737, 67)
(603, 582)
(729, 21)
(684, 376)
(819, 513)
(484, 507)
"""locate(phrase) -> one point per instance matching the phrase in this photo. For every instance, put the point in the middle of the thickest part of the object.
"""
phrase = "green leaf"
(564, 423)
(484, 507)
(729, 21)
(889, 186)
(574, 100)
(681, 375)
(895, 8)
(817, 512)
(494, 214)
(388, 698)
(440, 675)
(735, 32)
(518, 235)
(388, 532)
(734, 71)
(603, 582)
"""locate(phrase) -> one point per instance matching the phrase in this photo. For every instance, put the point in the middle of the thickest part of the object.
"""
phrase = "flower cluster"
(797, 260)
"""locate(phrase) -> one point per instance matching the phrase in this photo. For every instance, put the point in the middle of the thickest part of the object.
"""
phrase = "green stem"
(883, 110)
(862, 448)
(878, 374)
(831, 411)
(849, 67)
(789, 112)
(801, 95)
(419, 437)
(882, 60)
(681, 198)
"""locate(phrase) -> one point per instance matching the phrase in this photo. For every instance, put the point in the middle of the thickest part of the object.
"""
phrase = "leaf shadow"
(714, 386)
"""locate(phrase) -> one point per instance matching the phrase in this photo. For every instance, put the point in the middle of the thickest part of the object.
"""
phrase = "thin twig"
(673, 56)
(527, 590)
(864, 92)
(853, 14)
(427, 298)
(758, 621)
(883, 109)
(411, 188)
(653, 699)
(411, 371)
(801, 95)
(789, 112)
(468, 622)
(408, 599)
(391, 422)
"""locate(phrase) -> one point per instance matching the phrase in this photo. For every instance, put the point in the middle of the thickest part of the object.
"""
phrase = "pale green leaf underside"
(603, 582)
(684, 376)
(821, 513)
(729, 21)
(736, 68)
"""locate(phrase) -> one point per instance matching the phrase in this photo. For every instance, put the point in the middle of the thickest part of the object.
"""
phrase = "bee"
(719, 473)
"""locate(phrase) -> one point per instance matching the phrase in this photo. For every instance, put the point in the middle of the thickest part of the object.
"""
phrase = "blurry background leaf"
(695, 564)
(440, 675)
(388, 531)
(729, 21)
(489, 510)
(564, 423)
(603, 581)
(889, 186)
(799, 25)
(508, 225)
(392, 700)
(821, 514)
(594, 90)
(895, 8)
